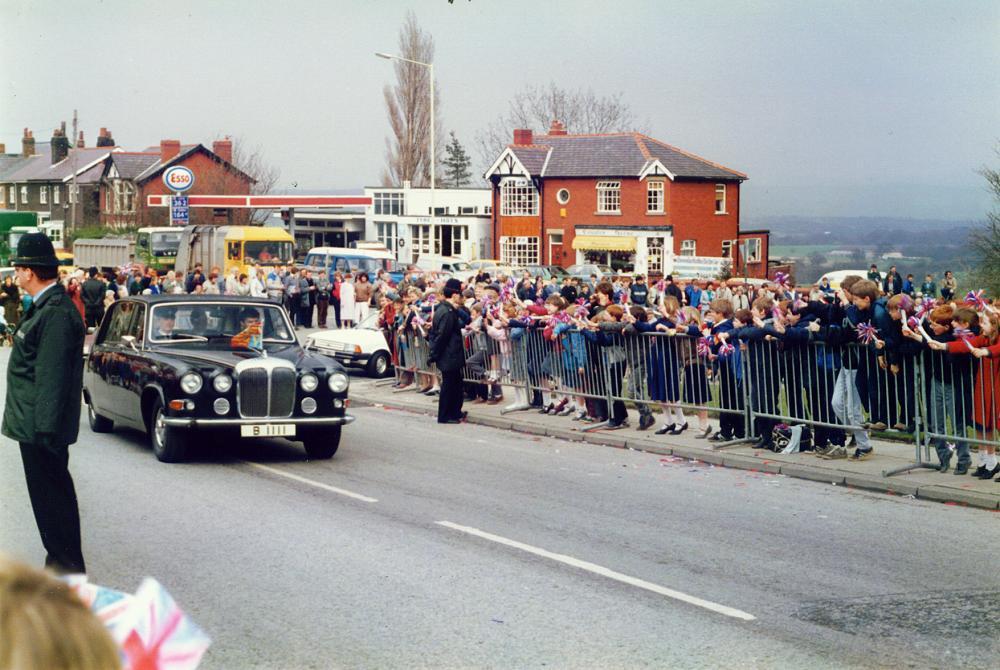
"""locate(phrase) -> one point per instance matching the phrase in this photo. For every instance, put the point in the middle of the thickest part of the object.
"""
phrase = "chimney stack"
(79, 141)
(104, 138)
(223, 149)
(28, 144)
(59, 145)
(523, 136)
(168, 149)
(557, 128)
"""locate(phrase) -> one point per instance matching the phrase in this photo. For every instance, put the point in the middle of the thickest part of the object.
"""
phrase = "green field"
(800, 250)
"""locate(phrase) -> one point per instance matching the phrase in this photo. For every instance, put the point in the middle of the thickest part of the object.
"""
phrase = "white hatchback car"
(362, 346)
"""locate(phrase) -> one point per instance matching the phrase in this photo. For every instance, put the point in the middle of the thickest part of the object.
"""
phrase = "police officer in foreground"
(42, 412)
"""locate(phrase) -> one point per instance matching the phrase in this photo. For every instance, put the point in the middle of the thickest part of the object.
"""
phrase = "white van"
(838, 276)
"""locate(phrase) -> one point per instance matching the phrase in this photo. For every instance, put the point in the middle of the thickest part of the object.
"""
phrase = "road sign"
(178, 179)
(179, 213)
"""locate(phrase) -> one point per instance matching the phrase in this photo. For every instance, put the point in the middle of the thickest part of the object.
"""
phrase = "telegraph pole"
(74, 195)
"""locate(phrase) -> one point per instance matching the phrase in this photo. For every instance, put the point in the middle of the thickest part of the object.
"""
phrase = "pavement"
(869, 475)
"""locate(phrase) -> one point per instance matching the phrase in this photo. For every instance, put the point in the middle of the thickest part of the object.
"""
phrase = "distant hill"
(927, 245)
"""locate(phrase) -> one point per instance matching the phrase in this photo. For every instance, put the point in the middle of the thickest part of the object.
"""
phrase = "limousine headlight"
(338, 382)
(308, 383)
(191, 383)
(222, 383)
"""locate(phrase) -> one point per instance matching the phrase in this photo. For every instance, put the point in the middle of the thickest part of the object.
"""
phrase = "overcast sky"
(831, 108)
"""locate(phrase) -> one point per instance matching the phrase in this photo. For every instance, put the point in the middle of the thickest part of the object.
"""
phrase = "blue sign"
(179, 213)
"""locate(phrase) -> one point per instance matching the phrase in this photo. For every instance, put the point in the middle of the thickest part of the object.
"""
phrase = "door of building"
(555, 249)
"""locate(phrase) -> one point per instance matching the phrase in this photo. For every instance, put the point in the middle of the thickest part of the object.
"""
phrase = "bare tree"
(250, 159)
(984, 240)
(408, 108)
(581, 111)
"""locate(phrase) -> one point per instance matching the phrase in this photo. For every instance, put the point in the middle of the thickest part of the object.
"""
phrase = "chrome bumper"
(195, 422)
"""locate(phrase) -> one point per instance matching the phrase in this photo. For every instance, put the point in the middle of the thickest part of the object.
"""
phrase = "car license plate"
(268, 430)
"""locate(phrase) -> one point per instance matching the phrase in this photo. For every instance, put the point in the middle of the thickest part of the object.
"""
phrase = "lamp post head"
(384, 55)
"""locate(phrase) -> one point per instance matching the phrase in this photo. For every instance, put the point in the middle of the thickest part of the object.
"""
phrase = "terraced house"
(77, 186)
(621, 199)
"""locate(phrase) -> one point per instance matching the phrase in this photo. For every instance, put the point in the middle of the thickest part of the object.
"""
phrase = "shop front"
(643, 250)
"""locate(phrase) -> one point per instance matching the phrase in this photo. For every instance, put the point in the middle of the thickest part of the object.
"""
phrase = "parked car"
(175, 366)
(458, 268)
(584, 270)
(362, 346)
(547, 271)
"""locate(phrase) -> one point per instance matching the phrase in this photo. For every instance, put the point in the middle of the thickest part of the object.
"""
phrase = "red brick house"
(620, 199)
(129, 177)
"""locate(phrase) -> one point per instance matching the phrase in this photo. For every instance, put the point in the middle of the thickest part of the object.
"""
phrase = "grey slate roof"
(613, 155)
(130, 165)
(39, 167)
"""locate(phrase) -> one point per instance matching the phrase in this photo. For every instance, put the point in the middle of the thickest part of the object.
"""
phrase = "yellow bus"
(229, 247)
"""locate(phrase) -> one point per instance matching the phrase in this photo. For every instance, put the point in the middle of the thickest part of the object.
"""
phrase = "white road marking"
(310, 482)
(604, 572)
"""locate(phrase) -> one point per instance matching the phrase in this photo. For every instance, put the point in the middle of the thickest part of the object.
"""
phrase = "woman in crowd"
(362, 297)
(347, 311)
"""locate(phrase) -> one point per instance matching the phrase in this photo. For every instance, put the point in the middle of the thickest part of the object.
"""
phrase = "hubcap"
(381, 365)
(159, 429)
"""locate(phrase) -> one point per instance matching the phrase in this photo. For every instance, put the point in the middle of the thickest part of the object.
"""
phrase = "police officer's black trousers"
(450, 398)
(53, 500)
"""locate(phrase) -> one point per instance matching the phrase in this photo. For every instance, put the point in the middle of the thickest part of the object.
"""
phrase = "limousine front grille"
(265, 388)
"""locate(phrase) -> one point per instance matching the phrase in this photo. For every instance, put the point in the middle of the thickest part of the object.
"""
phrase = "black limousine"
(179, 366)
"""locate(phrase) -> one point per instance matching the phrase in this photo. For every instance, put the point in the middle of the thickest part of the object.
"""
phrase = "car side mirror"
(130, 341)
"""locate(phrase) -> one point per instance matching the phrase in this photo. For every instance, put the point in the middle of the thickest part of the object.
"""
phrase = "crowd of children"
(844, 362)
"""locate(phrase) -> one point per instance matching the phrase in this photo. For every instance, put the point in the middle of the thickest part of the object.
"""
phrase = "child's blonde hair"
(692, 314)
(43, 624)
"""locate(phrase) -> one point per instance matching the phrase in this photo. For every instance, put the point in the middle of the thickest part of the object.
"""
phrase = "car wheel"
(98, 423)
(322, 444)
(378, 365)
(169, 444)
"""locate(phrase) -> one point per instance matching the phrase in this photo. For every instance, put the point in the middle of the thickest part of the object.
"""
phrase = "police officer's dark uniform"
(448, 353)
(42, 412)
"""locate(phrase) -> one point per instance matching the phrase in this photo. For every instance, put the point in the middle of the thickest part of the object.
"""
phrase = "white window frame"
(518, 197)
(74, 193)
(689, 248)
(459, 236)
(655, 192)
(609, 197)
(727, 248)
(387, 233)
(720, 203)
(560, 198)
(751, 249)
(55, 194)
(422, 239)
(467, 210)
(24, 195)
(488, 209)
(12, 195)
(124, 192)
(387, 203)
(519, 251)
(43, 194)
(655, 253)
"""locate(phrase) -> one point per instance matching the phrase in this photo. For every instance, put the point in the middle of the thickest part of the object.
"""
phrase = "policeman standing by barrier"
(448, 352)
(42, 412)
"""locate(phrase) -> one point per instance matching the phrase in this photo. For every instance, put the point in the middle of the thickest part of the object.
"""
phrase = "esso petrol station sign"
(178, 179)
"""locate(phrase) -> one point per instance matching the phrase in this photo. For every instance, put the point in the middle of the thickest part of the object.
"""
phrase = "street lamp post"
(433, 157)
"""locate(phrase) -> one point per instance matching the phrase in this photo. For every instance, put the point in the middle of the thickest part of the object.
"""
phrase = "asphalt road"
(459, 546)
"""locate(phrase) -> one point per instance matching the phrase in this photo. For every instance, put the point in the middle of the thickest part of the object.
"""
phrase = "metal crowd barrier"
(932, 399)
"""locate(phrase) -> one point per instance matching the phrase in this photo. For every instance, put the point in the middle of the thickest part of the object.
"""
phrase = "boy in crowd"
(730, 382)
(761, 363)
(639, 293)
(839, 330)
(951, 384)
